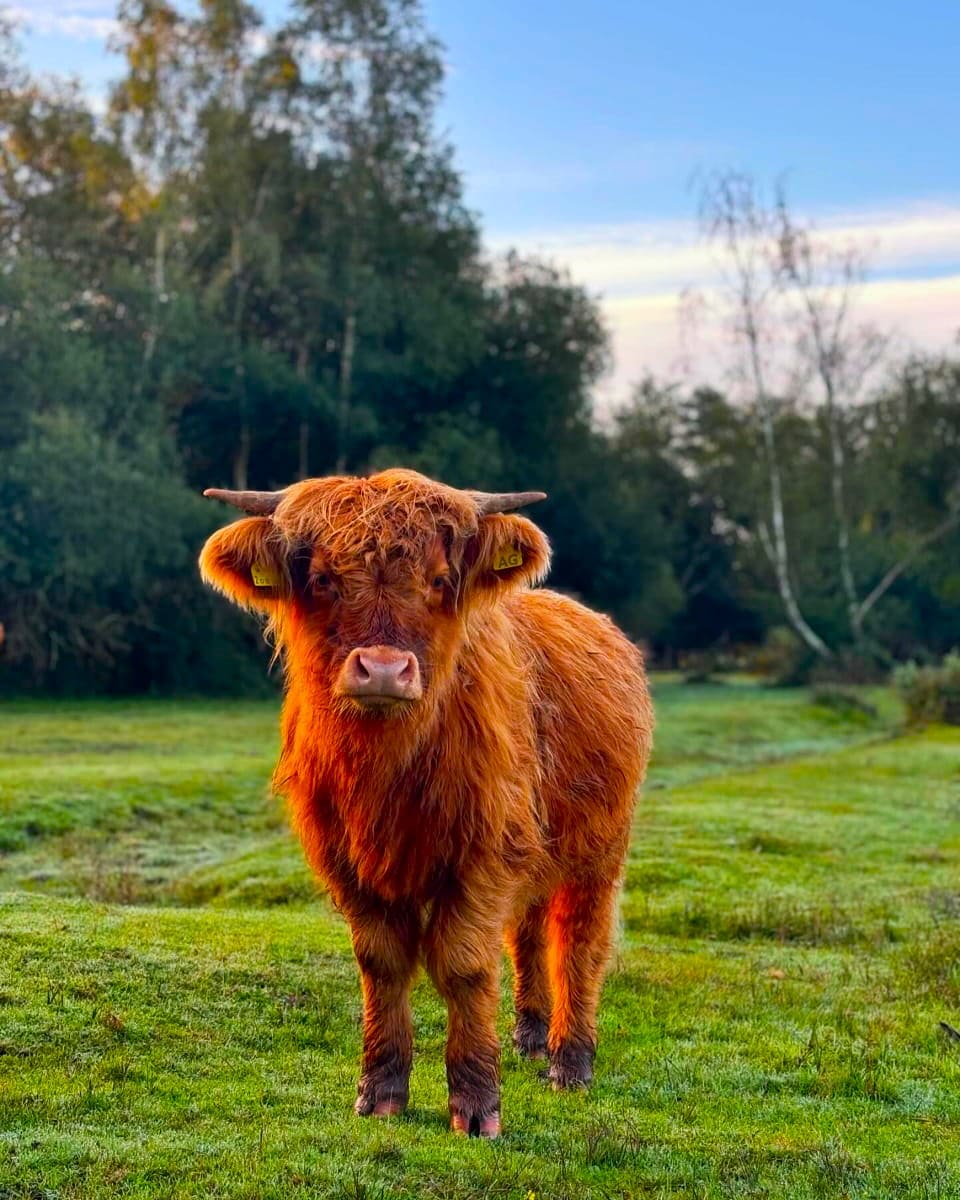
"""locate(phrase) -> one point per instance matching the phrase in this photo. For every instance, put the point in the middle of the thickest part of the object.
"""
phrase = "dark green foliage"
(99, 544)
(259, 267)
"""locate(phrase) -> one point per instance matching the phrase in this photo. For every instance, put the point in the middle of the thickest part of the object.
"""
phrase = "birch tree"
(839, 353)
(735, 219)
(789, 295)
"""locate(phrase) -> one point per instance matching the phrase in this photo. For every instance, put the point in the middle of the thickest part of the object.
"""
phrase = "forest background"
(257, 265)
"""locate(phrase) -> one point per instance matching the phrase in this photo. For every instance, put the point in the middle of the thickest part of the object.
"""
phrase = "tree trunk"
(152, 335)
(303, 441)
(825, 364)
(241, 458)
(346, 382)
(159, 287)
(838, 491)
(778, 546)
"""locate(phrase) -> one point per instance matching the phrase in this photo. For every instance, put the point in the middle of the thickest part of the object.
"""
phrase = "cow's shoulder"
(551, 619)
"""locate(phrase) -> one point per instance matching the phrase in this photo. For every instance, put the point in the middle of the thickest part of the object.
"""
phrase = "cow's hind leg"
(579, 935)
(385, 943)
(527, 944)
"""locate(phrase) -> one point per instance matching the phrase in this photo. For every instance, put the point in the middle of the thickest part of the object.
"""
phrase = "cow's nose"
(373, 673)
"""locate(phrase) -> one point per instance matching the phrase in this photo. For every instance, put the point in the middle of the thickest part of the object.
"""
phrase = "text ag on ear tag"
(507, 558)
(264, 576)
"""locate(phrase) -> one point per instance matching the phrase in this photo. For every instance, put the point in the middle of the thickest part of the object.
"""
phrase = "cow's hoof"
(380, 1098)
(571, 1066)
(474, 1124)
(474, 1091)
(563, 1079)
(530, 1035)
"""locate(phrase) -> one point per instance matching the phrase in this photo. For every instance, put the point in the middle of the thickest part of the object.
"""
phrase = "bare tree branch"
(891, 577)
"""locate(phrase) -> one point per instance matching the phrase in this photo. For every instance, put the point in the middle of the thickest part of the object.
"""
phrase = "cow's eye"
(439, 581)
(322, 580)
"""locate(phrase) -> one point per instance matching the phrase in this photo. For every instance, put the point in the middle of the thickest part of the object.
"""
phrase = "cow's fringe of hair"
(352, 516)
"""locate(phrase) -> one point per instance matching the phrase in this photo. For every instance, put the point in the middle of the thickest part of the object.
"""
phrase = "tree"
(733, 216)
(790, 299)
(912, 483)
(839, 354)
(693, 459)
(363, 97)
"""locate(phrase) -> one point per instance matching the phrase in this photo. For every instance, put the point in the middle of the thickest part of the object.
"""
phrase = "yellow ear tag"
(506, 558)
(264, 576)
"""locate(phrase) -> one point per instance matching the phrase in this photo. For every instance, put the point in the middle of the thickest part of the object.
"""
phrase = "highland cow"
(461, 753)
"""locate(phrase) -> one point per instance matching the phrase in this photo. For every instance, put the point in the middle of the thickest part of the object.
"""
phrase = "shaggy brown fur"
(496, 806)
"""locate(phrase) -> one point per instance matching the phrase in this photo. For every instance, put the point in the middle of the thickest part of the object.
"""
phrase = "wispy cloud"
(648, 337)
(647, 257)
(641, 270)
(82, 20)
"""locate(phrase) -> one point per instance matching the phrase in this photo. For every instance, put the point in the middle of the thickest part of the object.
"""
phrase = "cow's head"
(369, 584)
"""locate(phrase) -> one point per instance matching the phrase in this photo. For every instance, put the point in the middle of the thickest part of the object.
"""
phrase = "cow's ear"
(246, 562)
(506, 552)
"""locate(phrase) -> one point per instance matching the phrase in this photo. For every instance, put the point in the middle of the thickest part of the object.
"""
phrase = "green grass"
(179, 1008)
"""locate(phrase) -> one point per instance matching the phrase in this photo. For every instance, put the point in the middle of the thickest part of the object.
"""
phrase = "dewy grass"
(179, 1007)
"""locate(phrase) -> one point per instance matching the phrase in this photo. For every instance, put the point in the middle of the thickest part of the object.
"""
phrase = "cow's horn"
(257, 504)
(501, 502)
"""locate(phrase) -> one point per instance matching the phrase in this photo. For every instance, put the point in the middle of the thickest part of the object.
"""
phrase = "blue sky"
(570, 111)
(579, 128)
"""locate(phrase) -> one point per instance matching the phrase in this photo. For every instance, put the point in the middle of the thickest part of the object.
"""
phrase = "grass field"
(179, 1009)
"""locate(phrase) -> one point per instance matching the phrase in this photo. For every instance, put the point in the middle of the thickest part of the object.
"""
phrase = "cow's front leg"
(462, 953)
(386, 944)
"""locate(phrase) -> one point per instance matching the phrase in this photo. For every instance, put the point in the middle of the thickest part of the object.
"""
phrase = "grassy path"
(179, 1013)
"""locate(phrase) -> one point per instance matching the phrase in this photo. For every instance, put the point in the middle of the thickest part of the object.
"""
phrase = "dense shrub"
(931, 693)
(99, 590)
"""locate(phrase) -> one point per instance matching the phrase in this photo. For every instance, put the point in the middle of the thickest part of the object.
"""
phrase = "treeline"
(257, 266)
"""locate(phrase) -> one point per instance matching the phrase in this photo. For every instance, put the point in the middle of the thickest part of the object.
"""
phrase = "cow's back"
(594, 722)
